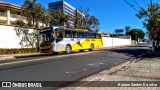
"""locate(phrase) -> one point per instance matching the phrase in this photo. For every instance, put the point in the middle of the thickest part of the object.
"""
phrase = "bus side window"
(94, 35)
(81, 34)
(74, 34)
(67, 33)
(86, 35)
(91, 35)
(98, 36)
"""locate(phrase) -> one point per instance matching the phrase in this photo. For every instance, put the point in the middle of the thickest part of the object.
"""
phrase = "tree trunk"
(37, 23)
(33, 22)
(158, 44)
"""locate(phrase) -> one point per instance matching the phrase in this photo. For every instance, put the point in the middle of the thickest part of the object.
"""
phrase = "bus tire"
(81, 50)
(92, 47)
(68, 49)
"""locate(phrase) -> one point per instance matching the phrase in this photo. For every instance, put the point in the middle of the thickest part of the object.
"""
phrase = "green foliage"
(137, 33)
(80, 20)
(93, 23)
(18, 51)
(88, 21)
(148, 35)
(20, 23)
(46, 18)
(77, 20)
(33, 11)
(151, 21)
(151, 16)
(59, 18)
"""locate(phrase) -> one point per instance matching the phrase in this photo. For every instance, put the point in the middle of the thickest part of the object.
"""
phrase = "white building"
(10, 12)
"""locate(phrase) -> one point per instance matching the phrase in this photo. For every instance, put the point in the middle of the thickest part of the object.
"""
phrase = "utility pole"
(151, 6)
(151, 2)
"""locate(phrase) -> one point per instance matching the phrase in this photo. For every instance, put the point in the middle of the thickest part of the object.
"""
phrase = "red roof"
(7, 4)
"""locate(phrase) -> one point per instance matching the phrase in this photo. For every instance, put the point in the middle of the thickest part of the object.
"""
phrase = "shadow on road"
(152, 54)
(133, 51)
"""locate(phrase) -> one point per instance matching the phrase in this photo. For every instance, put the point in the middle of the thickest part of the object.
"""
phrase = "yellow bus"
(56, 39)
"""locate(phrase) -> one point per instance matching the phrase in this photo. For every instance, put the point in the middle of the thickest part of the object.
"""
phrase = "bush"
(18, 51)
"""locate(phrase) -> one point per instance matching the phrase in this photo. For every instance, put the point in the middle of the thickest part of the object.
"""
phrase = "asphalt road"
(66, 67)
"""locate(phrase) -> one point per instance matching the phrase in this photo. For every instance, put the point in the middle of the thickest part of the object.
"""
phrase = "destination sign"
(46, 29)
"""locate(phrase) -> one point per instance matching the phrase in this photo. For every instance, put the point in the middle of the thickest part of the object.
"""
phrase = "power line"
(131, 6)
(136, 3)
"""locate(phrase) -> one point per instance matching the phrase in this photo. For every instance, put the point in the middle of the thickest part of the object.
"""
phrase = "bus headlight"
(52, 46)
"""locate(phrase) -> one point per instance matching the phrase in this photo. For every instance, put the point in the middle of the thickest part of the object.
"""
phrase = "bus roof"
(61, 27)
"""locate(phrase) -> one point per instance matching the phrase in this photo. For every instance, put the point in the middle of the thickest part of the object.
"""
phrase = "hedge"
(18, 51)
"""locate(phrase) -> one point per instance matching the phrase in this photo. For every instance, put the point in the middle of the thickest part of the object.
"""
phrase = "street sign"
(119, 30)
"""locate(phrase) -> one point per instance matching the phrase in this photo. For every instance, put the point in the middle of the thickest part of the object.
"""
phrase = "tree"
(148, 35)
(83, 17)
(46, 17)
(77, 20)
(137, 33)
(33, 11)
(93, 23)
(127, 28)
(20, 23)
(59, 18)
(151, 21)
(88, 21)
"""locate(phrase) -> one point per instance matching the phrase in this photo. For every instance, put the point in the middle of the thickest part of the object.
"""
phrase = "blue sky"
(113, 14)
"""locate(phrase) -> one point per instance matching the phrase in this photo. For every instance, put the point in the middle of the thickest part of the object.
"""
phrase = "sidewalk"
(147, 69)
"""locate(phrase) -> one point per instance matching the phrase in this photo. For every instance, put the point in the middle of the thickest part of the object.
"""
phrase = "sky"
(113, 14)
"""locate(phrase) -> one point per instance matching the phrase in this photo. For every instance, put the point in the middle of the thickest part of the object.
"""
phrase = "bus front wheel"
(68, 49)
(92, 47)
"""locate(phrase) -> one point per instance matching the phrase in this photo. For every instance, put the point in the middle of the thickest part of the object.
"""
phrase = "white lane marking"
(94, 64)
(69, 72)
(90, 64)
(84, 69)
(101, 63)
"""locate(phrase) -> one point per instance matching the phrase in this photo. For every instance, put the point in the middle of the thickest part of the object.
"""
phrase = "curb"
(31, 55)
(6, 57)
(13, 57)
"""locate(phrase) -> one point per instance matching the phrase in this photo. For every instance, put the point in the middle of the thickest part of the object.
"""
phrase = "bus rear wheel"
(92, 47)
(68, 49)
